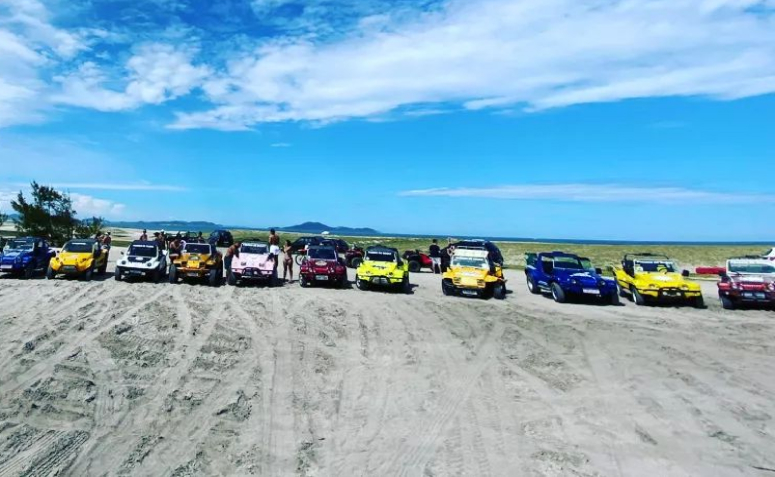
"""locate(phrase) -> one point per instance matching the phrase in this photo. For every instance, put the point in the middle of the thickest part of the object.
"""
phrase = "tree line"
(49, 213)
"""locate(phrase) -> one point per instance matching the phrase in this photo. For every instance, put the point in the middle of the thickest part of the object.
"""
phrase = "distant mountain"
(318, 228)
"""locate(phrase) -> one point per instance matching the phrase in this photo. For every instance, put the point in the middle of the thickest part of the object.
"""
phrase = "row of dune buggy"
(468, 268)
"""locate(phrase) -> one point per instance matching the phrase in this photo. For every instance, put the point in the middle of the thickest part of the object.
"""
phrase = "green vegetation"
(688, 256)
(50, 214)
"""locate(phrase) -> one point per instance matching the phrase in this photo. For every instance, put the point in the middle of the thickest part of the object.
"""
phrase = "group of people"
(274, 254)
(104, 239)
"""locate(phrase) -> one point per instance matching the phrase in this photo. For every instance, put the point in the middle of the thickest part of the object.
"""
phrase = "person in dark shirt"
(435, 253)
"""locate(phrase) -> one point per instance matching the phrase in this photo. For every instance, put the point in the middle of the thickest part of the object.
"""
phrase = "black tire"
(303, 282)
(104, 268)
(499, 291)
(29, 271)
(88, 274)
(637, 297)
(231, 279)
(698, 302)
(727, 303)
(156, 276)
(414, 266)
(362, 285)
(532, 286)
(557, 293)
(213, 279)
(447, 288)
(356, 262)
(50, 273)
(614, 299)
(117, 274)
(173, 275)
(406, 287)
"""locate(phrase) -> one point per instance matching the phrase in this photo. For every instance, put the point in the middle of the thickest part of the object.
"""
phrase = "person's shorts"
(274, 250)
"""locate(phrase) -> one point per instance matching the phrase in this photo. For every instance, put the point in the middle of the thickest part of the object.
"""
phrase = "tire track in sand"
(87, 335)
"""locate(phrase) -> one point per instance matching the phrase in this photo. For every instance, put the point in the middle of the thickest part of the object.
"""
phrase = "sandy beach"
(116, 378)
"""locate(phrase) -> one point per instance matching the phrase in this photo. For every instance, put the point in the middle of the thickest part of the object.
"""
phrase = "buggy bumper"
(382, 280)
(253, 274)
(748, 296)
(312, 276)
(670, 294)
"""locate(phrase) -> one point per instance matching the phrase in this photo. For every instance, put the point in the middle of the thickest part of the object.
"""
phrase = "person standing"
(144, 236)
(107, 240)
(176, 248)
(434, 252)
(200, 238)
(231, 252)
(274, 247)
(288, 259)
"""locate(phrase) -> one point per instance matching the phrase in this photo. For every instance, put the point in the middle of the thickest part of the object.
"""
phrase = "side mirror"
(685, 274)
(599, 271)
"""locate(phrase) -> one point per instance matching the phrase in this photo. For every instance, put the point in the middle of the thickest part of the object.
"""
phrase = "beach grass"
(602, 255)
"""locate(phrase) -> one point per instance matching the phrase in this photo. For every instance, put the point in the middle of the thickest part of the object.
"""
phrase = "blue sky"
(625, 119)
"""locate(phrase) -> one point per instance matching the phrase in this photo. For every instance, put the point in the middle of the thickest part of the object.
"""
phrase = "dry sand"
(140, 379)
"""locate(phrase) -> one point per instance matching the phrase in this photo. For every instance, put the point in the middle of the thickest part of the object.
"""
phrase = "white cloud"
(595, 193)
(280, 144)
(86, 205)
(121, 186)
(501, 53)
(155, 73)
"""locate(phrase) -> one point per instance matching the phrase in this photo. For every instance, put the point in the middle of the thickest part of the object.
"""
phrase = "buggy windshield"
(142, 250)
(751, 267)
(20, 245)
(257, 248)
(655, 266)
(380, 256)
(472, 262)
(322, 254)
(571, 263)
(78, 247)
(201, 248)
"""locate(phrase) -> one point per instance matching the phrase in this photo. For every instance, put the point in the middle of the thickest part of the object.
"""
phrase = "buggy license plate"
(134, 272)
(470, 292)
(754, 295)
(192, 274)
(69, 268)
(321, 277)
(6, 267)
(672, 293)
(591, 291)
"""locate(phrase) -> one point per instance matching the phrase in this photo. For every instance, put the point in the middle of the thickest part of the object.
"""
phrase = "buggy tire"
(499, 291)
(447, 288)
(414, 266)
(698, 302)
(532, 286)
(406, 287)
(303, 282)
(173, 275)
(156, 276)
(614, 299)
(104, 268)
(557, 293)
(360, 284)
(727, 303)
(29, 271)
(88, 274)
(637, 297)
(50, 273)
(117, 274)
(356, 262)
(213, 279)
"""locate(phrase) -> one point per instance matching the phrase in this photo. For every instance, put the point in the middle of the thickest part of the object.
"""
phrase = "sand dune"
(140, 379)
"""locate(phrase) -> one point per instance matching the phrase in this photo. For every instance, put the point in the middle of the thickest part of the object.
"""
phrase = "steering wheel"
(662, 268)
